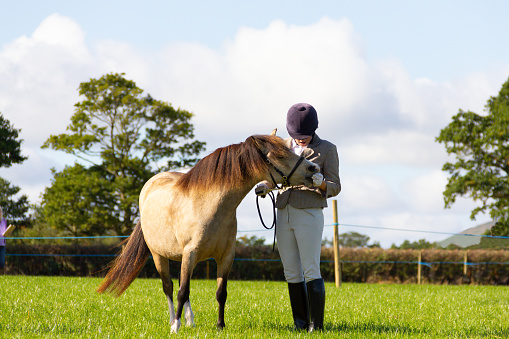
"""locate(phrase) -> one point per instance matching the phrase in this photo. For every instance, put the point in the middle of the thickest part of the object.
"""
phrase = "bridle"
(286, 178)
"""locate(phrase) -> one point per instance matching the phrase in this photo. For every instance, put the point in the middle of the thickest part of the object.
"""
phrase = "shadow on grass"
(373, 328)
(360, 328)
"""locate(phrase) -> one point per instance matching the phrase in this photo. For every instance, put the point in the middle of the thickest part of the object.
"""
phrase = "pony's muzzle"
(313, 168)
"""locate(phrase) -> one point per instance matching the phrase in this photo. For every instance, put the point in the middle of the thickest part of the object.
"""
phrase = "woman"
(300, 218)
(3, 227)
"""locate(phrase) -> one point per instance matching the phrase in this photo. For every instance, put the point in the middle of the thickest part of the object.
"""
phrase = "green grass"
(66, 307)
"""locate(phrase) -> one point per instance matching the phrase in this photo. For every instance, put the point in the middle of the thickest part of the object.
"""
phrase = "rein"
(273, 199)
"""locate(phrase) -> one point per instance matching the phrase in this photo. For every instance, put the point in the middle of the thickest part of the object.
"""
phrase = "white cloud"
(425, 191)
(369, 194)
(404, 147)
(62, 32)
(40, 76)
(248, 86)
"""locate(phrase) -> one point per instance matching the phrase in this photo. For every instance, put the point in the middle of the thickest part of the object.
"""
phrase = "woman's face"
(303, 142)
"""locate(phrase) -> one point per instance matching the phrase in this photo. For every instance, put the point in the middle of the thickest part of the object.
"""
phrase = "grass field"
(66, 307)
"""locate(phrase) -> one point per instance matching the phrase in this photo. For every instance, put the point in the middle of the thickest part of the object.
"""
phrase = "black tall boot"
(316, 295)
(299, 303)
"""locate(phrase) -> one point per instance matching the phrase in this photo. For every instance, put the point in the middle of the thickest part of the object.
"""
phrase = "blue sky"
(385, 77)
(433, 39)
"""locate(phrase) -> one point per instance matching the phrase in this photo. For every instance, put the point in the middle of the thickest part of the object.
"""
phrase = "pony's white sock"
(188, 314)
(171, 309)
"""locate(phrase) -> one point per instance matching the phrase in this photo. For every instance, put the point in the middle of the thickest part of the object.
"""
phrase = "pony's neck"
(232, 195)
(240, 191)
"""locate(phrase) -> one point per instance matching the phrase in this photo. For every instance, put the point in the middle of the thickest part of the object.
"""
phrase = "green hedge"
(261, 263)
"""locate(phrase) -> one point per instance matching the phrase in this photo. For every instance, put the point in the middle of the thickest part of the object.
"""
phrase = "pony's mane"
(232, 165)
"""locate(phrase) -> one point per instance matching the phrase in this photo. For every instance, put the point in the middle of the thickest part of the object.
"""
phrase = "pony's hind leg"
(221, 295)
(163, 267)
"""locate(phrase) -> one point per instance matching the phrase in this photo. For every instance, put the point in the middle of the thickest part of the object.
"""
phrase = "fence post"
(419, 259)
(337, 258)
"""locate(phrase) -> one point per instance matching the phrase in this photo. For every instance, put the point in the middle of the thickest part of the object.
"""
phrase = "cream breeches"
(299, 241)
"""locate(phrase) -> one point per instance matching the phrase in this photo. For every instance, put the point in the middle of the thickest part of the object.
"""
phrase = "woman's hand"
(261, 190)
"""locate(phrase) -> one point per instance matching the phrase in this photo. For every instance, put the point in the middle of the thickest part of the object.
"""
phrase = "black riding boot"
(299, 303)
(316, 295)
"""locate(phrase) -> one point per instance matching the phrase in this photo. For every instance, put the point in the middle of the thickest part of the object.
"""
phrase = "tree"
(351, 239)
(354, 239)
(78, 202)
(126, 137)
(250, 241)
(480, 144)
(10, 145)
(15, 210)
(420, 244)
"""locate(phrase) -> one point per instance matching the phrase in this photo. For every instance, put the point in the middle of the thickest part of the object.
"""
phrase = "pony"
(191, 217)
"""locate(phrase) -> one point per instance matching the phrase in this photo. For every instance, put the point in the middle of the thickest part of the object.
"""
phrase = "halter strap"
(293, 170)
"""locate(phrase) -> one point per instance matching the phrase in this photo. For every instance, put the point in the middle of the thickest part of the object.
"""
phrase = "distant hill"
(466, 240)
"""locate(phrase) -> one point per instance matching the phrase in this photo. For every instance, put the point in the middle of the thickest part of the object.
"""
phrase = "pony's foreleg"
(188, 312)
(163, 267)
(223, 270)
(186, 271)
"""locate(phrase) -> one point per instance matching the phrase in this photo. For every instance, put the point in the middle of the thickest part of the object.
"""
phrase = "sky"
(384, 76)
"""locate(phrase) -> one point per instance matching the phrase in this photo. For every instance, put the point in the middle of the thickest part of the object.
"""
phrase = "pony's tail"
(126, 267)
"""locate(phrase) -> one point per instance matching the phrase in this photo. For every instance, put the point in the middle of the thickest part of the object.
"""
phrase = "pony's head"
(285, 167)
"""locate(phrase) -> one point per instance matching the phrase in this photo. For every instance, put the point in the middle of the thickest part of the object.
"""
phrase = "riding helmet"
(301, 121)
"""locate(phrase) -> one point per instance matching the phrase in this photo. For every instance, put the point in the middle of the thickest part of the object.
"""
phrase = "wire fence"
(429, 263)
(267, 230)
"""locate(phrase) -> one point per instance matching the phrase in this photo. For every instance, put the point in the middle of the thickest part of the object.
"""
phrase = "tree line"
(120, 137)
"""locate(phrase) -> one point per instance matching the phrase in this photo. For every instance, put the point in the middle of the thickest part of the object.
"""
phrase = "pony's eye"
(274, 155)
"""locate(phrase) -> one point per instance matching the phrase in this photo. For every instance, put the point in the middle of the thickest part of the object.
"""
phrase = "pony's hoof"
(175, 326)
(220, 326)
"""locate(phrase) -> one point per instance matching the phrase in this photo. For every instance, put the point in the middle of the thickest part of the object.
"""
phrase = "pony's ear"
(274, 131)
